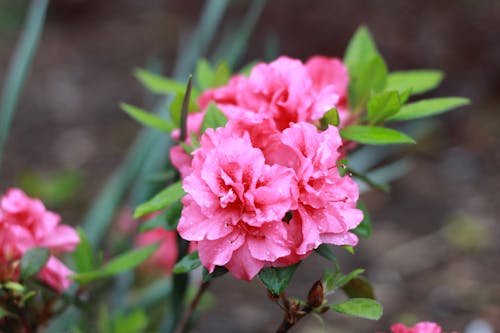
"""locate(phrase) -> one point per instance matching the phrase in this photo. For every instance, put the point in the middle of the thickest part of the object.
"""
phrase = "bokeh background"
(434, 253)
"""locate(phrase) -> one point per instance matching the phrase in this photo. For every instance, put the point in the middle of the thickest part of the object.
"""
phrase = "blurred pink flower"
(166, 255)
(422, 327)
(26, 223)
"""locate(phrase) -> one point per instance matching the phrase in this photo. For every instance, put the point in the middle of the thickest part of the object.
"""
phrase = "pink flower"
(26, 223)
(422, 327)
(166, 255)
(235, 204)
(327, 202)
(284, 90)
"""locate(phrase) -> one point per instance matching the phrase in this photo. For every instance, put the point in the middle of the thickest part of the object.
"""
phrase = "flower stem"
(181, 327)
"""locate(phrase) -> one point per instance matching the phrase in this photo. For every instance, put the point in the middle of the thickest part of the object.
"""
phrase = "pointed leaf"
(371, 77)
(83, 255)
(188, 263)
(325, 251)
(364, 229)
(359, 307)
(382, 106)
(374, 135)
(33, 261)
(331, 117)
(277, 279)
(161, 200)
(360, 50)
(118, 265)
(218, 271)
(159, 84)
(419, 81)
(358, 286)
(213, 118)
(148, 119)
(428, 107)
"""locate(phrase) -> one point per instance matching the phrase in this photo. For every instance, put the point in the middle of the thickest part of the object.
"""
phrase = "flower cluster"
(26, 223)
(422, 327)
(265, 189)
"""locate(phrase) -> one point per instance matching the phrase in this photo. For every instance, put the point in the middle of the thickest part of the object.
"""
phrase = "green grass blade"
(20, 65)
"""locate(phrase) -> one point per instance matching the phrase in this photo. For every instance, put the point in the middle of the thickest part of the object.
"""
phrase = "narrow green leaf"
(374, 135)
(83, 255)
(419, 81)
(277, 279)
(360, 50)
(204, 74)
(428, 107)
(325, 251)
(213, 118)
(147, 118)
(222, 74)
(364, 229)
(382, 106)
(159, 84)
(185, 109)
(15, 287)
(359, 307)
(33, 261)
(371, 77)
(4, 313)
(187, 263)
(118, 265)
(20, 65)
(161, 200)
(342, 280)
(331, 117)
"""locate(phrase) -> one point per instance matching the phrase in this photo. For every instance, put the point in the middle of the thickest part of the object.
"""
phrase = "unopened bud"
(315, 296)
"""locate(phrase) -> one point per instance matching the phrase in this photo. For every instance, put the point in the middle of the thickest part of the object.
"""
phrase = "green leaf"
(364, 229)
(277, 279)
(4, 313)
(188, 263)
(359, 307)
(218, 271)
(204, 74)
(331, 117)
(370, 78)
(159, 84)
(134, 322)
(161, 200)
(358, 286)
(419, 81)
(33, 261)
(335, 279)
(428, 107)
(118, 265)
(360, 50)
(19, 66)
(382, 106)
(374, 135)
(213, 118)
(325, 251)
(83, 255)
(147, 118)
(222, 75)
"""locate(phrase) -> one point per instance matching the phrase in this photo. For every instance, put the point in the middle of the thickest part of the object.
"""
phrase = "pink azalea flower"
(284, 90)
(166, 255)
(327, 202)
(235, 204)
(26, 223)
(422, 327)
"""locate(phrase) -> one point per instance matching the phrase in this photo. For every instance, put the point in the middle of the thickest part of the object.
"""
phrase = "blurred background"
(434, 253)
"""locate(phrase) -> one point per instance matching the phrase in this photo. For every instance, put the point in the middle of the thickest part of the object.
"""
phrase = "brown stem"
(181, 327)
